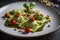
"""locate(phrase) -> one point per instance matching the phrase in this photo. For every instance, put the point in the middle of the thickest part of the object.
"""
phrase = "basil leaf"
(32, 4)
(7, 23)
(26, 6)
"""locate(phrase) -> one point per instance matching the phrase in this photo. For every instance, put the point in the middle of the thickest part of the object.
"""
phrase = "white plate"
(44, 10)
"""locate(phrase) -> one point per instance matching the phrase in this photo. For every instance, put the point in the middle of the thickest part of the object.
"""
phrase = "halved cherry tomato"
(32, 18)
(17, 15)
(13, 22)
(6, 15)
(27, 29)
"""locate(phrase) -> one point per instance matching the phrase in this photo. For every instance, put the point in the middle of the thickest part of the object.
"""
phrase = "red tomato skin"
(6, 15)
(17, 15)
(13, 22)
(27, 29)
(32, 19)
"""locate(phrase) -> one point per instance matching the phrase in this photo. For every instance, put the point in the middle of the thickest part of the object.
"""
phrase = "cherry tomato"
(6, 15)
(17, 15)
(13, 22)
(32, 18)
(27, 29)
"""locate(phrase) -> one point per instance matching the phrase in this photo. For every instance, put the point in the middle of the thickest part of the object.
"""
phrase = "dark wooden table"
(51, 36)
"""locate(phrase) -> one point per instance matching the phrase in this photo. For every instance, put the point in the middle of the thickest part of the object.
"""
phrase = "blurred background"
(51, 36)
(3, 2)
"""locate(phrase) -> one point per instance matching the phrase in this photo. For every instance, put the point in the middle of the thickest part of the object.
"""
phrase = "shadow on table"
(4, 36)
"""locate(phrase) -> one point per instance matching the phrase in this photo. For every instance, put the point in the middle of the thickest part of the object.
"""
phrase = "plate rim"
(35, 35)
